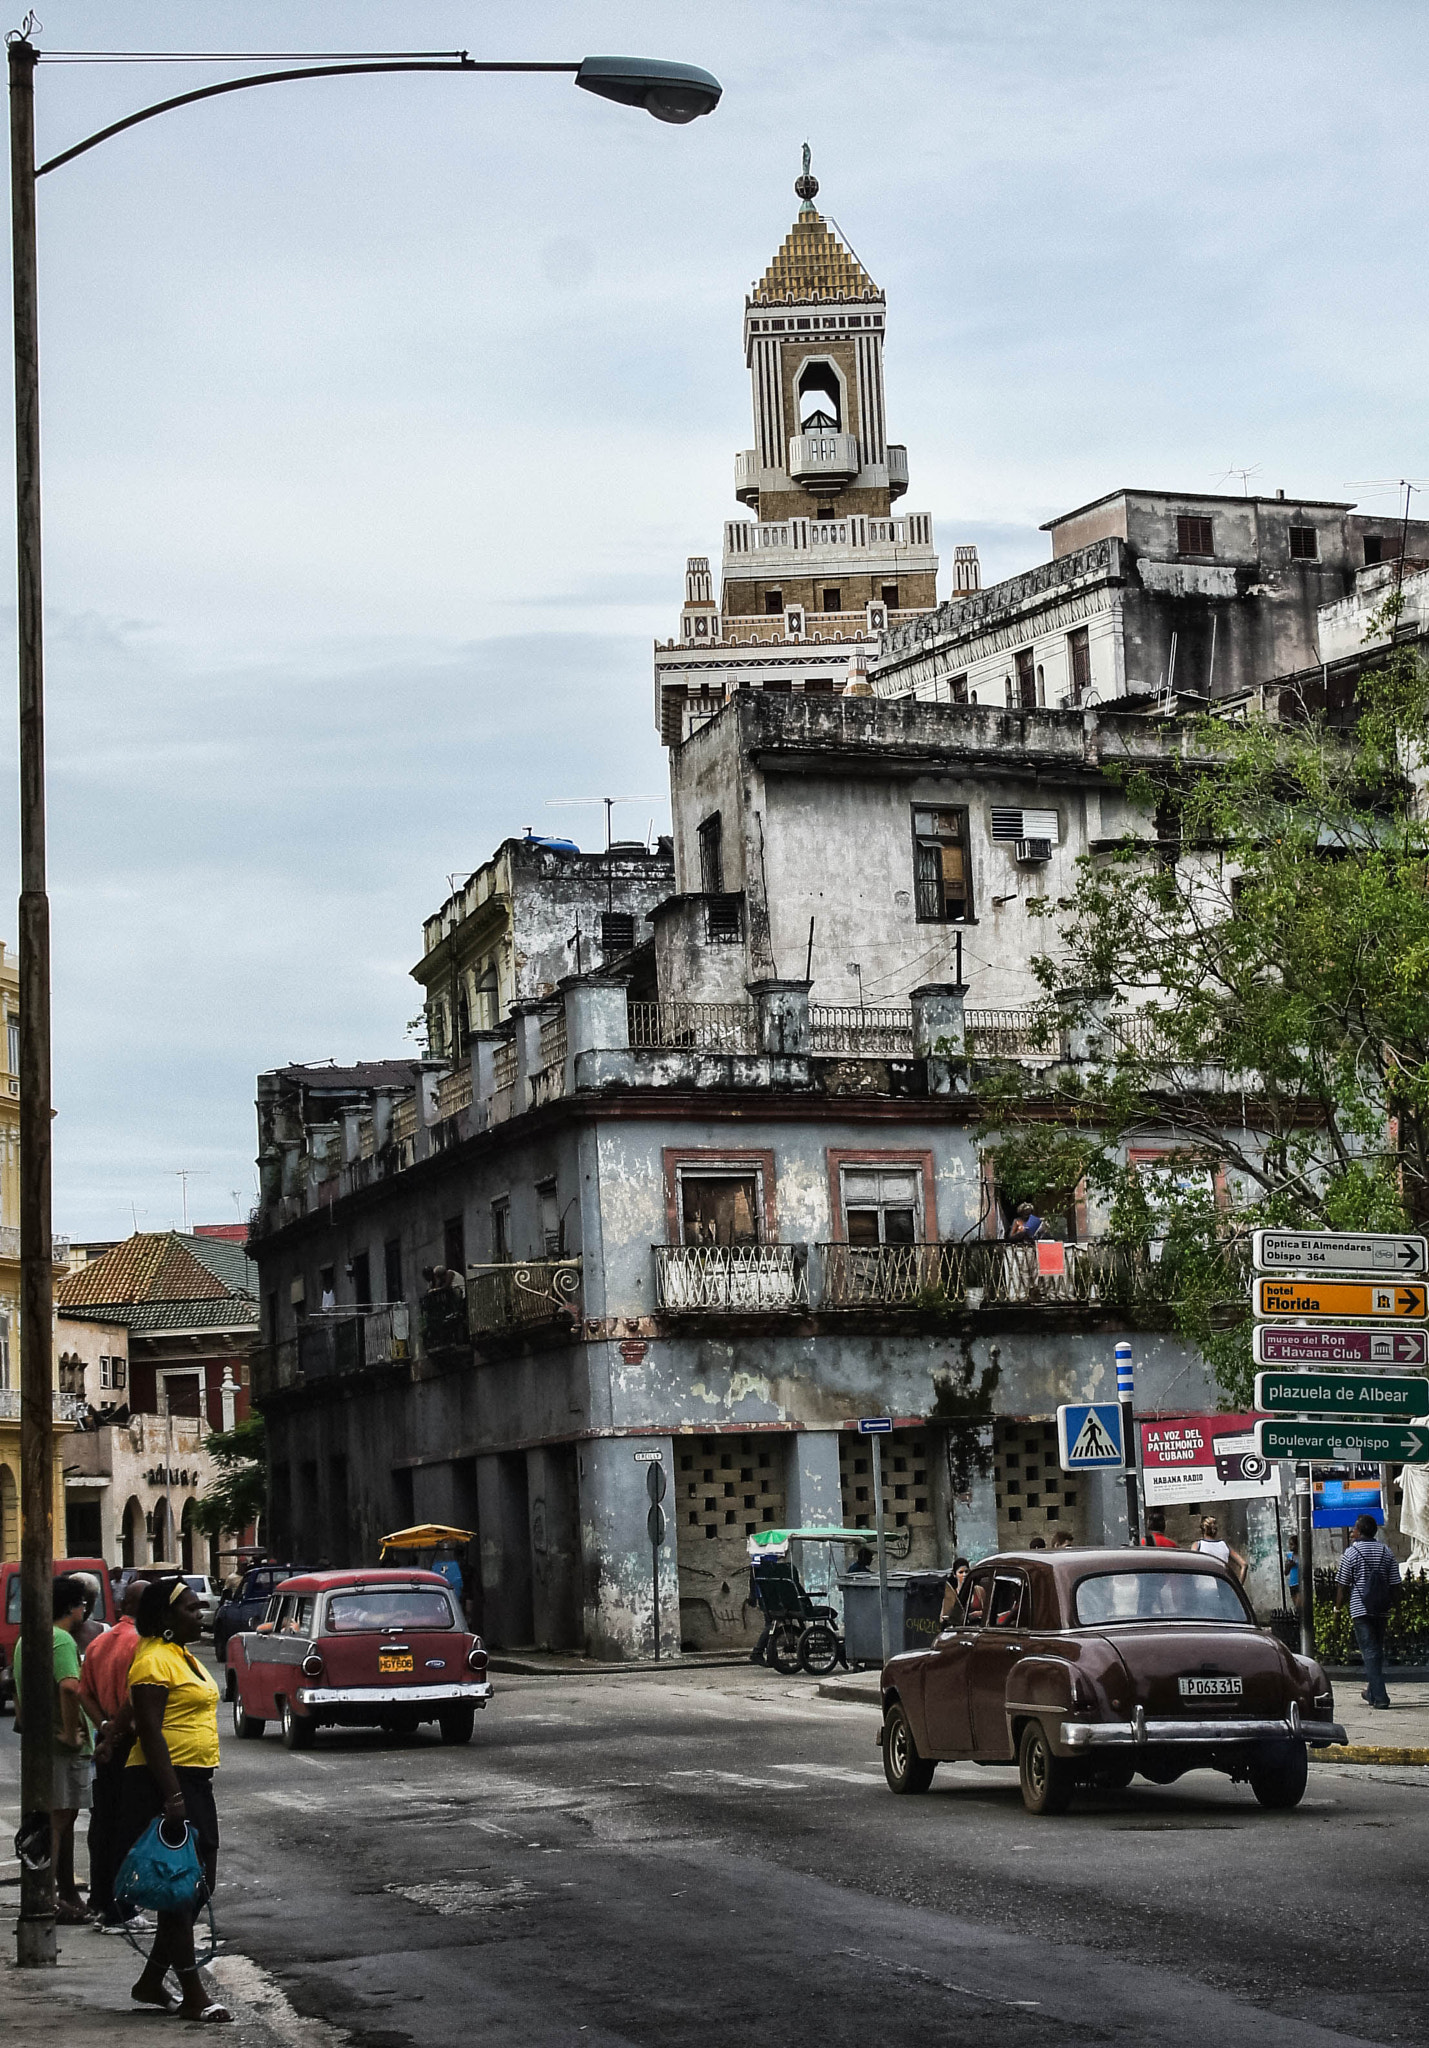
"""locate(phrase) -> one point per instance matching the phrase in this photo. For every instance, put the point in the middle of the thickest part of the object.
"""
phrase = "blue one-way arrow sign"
(875, 1425)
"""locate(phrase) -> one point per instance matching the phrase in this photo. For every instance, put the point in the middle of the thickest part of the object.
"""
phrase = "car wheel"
(457, 1723)
(1046, 1777)
(1115, 1774)
(245, 1724)
(401, 1722)
(300, 1731)
(783, 1652)
(1278, 1774)
(818, 1648)
(904, 1769)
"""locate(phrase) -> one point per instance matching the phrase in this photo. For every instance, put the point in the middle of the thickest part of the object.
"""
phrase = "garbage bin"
(922, 1606)
(863, 1636)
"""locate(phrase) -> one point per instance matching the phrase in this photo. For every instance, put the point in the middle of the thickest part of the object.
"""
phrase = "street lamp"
(671, 92)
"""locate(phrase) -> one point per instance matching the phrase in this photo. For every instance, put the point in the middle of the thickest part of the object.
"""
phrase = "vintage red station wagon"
(355, 1649)
(1085, 1667)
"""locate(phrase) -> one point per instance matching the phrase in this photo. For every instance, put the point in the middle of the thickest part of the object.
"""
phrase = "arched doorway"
(132, 1534)
(9, 1514)
(187, 1538)
(162, 1537)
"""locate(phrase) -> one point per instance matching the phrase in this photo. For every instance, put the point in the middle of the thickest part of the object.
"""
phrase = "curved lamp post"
(671, 92)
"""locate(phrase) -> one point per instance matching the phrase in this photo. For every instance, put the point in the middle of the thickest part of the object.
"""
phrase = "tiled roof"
(813, 264)
(160, 1267)
(233, 1313)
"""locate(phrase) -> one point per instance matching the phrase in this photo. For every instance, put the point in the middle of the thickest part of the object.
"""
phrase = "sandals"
(213, 2013)
(165, 2002)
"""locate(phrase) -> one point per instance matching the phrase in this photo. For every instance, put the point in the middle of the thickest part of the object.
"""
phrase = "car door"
(266, 1676)
(946, 1714)
(998, 1646)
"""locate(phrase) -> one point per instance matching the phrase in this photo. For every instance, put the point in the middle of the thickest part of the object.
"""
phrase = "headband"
(179, 1587)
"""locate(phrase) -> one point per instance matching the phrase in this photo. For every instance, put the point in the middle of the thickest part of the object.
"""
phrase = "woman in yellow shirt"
(170, 1773)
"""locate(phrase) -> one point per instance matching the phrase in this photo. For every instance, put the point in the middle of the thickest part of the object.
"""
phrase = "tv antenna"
(184, 1174)
(1245, 476)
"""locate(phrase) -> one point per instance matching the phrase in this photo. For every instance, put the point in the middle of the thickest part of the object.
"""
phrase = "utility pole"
(1305, 1502)
(1126, 1394)
(35, 1942)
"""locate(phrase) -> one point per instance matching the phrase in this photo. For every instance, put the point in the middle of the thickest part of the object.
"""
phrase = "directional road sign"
(875, 1425)
(1277, 1344)
(1344, 1443)
(1340, 1393)
(1331, 1251)
(1089, 1436)
(1400, 1301)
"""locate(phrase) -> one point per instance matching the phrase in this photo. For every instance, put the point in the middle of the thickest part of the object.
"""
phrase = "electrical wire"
(234, 56)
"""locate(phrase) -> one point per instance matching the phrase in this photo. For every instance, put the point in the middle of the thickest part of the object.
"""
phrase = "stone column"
(618, 1616)
(504, 1520)
(555, 1546)
(483, 1076)
(975, 1511)
(781, 1017)
(1085, 1036)
(228, 1394)
(813, 1497)
(597, 1020)
(939, 1034)
(527, 1019)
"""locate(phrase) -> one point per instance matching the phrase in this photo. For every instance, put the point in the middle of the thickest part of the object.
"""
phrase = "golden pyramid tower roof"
(813, 264)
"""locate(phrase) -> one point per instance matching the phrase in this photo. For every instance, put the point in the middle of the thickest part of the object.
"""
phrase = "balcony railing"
(333, 1341)
(979, 1274)
(547, 1084)
(1010, 1034)
(522, 1297)
(704, 1027)
(454, 1092)
(731, 1279)
(503, 1065)
(856, 530)
(65, 1407)
(850, 1029)
(404, 1120)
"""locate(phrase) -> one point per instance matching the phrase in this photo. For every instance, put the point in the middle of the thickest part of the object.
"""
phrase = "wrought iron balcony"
(731, 1279)
(980, 1274)
(65, 1407)
(852, 1030)
(704, 1027)
(333, 1341)
(523, 1296)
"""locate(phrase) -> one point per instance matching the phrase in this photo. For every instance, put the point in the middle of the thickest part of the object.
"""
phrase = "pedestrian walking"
(1211, 1543)
(1156, 1537)
(1292, 1571)
(1065, 1540)
(104, 1695)
(71, 1746)
(1369, 1580)
(173, 1702)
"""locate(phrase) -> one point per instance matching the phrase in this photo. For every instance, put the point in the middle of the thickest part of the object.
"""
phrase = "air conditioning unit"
(1033, 850)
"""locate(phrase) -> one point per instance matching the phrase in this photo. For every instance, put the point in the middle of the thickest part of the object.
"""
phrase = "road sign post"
(878, 1427)
(1305, 1503)
(1126, 1395)
(655, 1528)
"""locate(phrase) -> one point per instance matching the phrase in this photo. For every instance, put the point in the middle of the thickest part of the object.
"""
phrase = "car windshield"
(1156, 1596)
(380, 1607)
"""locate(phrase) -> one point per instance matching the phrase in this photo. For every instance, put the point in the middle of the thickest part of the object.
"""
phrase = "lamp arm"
(460, 62)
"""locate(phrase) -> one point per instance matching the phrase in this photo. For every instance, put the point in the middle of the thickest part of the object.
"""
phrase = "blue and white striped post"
(1126, 1394)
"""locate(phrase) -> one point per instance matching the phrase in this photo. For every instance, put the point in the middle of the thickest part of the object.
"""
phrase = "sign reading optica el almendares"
(1340, 1393)
(1329, 1251)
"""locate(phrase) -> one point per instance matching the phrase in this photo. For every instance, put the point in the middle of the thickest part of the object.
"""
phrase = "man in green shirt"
(72, 1742)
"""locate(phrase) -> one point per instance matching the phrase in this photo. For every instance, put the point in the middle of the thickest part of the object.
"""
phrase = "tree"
(240, 1493)
(1251, 975)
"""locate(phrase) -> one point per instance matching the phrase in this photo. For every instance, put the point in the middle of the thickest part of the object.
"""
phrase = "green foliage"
(240, 1493)
(1406, 1640)
(1268, 931)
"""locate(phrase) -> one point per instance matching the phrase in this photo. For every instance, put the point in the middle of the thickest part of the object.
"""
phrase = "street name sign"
(1340, 1393)
(647, 1457)
(1329, 1251)
(875, 1425)
(1344, 1443)
(1397, 1299)
(1089, 1436)
(1278, 1344)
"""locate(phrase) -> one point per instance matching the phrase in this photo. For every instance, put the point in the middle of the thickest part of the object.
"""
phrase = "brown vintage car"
(1084, 1667)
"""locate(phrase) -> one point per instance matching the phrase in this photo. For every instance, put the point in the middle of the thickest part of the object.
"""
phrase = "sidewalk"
(1398, 1736)
(85, 2002)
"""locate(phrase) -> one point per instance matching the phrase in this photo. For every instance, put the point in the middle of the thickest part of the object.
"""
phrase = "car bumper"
(1077, 1737)
(470, 1691)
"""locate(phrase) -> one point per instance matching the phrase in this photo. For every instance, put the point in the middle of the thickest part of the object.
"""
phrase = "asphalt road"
(712, 1857)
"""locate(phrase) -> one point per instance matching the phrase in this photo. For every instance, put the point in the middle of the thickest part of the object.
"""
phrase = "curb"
(1368, 1753)
(581, 1667)
(852, 1691)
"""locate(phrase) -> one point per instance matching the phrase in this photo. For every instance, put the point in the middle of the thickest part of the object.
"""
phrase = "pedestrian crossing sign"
(1089, 1436)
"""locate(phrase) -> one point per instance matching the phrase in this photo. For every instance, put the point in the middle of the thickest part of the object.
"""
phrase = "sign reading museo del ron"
(1283, 1344)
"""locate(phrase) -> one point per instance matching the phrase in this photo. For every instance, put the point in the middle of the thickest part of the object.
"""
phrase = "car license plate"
(1209, 1688)
(392, 1663)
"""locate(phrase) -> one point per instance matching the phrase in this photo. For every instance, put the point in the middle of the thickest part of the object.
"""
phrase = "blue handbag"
(164, 1876)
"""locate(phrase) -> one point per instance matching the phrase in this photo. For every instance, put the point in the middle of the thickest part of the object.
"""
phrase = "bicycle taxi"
(802, 1630)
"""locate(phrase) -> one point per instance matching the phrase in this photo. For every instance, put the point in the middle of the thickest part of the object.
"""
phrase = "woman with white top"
(1211, 1544)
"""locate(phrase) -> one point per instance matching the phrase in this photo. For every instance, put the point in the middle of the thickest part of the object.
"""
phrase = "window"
(711, 840)
(833, 598)
(773, 603)
(272, 1302)
(362, 1280)
(1026, 680)
(1156, 1596)
(1304, 544)
(824, 512)
(392, 1269)
(958, 689)
(327, 1287)
(378, 1609)
(889, 594)
(454, 1244)
(942, 878)
(1010, 823)
(13, 1022)
(550, 1219)
(724, 921)
(880, 1205)
(1374, 551)
(1193, 536)
(1079, 663)
(183, 1394)
(617, 934)
(106, 1367)
(819, 686)
(719, 1208)
(501, 1232)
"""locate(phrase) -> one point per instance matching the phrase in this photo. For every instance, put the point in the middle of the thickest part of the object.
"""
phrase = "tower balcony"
(746, 476)
(823, 460)
(897, 469)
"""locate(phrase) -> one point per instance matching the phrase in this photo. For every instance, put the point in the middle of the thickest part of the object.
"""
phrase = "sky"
(380, 415)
